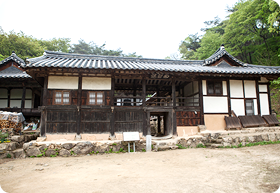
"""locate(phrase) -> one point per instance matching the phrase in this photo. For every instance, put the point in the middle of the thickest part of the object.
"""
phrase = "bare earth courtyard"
(248, 169)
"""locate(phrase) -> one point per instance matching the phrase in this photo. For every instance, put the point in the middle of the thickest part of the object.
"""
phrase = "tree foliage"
(250, 33)
(91, 48)
(28, 47)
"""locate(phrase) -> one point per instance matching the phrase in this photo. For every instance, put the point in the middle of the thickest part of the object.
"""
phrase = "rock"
(163, 148)
(50, 152)
(258, 138)
(19, 153)
(216, 145)
(272, 137)
(68, 146)
(64, 153)
(51, 146)
(41, 139)
(277, 136)
(43, 147)
(251, 139)
(215, 135)
(26, 145)
(237, 140)
(225, 144)
(27, 138)
(32, 151)
(116, 147)
(101, 148)
(8, 146)
(83, 148)
(17, 138)
(265, 137)
(244, 139)
(201, 128)
(39, 169)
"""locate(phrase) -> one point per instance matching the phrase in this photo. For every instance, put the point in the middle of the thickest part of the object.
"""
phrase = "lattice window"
(95, 98)
(61, 97)
(249, 106)
(214, 88)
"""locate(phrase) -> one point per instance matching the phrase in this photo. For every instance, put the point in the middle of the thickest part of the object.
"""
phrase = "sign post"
(131, 137)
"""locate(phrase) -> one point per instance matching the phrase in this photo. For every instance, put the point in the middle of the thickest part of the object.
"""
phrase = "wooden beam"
(23, 96)
(79, 105)
(144, 91)
(228, 98)
(258, 97)
(9, 97)
(201, 102)
(45, 91)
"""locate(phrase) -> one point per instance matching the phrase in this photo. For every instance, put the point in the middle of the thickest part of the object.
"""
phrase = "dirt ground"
(249, 169)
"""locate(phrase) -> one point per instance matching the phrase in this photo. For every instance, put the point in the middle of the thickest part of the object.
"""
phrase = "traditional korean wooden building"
(89, 94)
(19, 92)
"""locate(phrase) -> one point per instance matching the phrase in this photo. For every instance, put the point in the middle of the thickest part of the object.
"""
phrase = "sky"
(151, 28)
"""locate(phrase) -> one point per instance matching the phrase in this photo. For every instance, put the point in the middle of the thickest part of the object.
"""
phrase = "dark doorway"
(160, 124)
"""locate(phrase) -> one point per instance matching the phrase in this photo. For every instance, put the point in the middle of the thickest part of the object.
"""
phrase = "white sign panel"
(131, 136)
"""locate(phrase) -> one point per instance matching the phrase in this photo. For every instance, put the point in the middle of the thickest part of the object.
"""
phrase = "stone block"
(225, 144)
(277, 136)
(50, 152)
(19, 153)
(17, 138)
(32, 151)
(41, 139)
(272, 137)
(251, 139)
(265, 137)
(64, 153)
(244, 139)
(258, 138)
(68, 146)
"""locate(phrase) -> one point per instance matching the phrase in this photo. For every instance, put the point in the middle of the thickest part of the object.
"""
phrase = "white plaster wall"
(255, 107)
(3, 93)
(204, 89)
(264, 104)
(28, 104)
(262, 88)
(28, 94)
(15, 103)
(95, 83)
(195, 86)
(16, 93)
(3, 103)
(224, 87)
(63, 82)
(215, 104)
(237, 105)
(250, 89)
(236, 88)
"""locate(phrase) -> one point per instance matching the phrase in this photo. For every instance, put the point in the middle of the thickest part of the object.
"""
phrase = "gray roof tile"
(66, 60)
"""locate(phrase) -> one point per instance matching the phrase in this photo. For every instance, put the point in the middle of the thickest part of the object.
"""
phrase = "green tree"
(59, 45)
(189, 46)
(23, 45)
(91, 48)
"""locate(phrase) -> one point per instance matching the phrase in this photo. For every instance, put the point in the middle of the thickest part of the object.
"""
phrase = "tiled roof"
(13, 57)
(220, 53)
(66, 60)
(12, 71)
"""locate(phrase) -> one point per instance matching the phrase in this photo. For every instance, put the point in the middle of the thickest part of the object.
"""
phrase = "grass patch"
(180, 146)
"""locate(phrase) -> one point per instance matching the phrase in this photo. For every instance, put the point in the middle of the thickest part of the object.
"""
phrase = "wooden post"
(112, 101)
(173, 93)
(148, 123)
(9, 97)
(144, 91)
(201, 103)
(258, 97)
(228, 97)
(43, 109)
(45, 91)
(23, 96)
(158, 124)
(79, 105)
(269, 99)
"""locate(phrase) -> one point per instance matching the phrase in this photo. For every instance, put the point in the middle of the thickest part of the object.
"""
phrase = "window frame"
(95, 92)
(253, 108)
(62, 92)
(214, 82)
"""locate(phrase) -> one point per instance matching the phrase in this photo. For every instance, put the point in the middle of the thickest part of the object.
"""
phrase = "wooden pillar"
(9, 97)
(45, 91)
(269, 99)
(258, 97)
(228, 97)
(144, 91)
(173, 93)
(112, 101)
(148, 125)
(158, 124)
(43, 109)
(79, 103)
(23, 96)
(201, 102)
